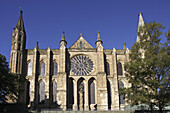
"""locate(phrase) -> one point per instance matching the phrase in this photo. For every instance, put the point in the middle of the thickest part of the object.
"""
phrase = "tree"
(9, 83)
(148, 70)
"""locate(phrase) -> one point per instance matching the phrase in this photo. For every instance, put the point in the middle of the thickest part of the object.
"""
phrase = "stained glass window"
(81, 65)
(119, 68)
(92, 93)
(54, 91)
(121, 96)
(41, 92)
(29, 69)
(107, 68)
(42, 72)
(55, 68)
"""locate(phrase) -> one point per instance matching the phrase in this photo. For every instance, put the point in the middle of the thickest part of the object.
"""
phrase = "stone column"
(62, 76)
(75, 107)
(34, 89)
(47, 77)
(102, 97)
(115, 79)
(86, 103)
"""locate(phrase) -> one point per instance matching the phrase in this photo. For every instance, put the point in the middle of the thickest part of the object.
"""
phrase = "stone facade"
(53, 76)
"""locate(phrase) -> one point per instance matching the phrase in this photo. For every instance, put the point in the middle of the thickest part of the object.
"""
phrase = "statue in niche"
(81, 45)
(81, 91)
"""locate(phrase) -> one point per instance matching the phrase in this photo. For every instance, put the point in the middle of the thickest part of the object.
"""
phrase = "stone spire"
(63, 40)
(98, 36)
(37, 47)
(18, 47)
(99, 41)
(140, 23)
(20, 23)
(63, 37)
(124, 45)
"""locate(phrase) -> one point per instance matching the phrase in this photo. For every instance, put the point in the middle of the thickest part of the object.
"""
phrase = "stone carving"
(81, 91)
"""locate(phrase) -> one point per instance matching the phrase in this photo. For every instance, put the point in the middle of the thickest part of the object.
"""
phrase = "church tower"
(140, 24)
(18, 47)
(17, 58)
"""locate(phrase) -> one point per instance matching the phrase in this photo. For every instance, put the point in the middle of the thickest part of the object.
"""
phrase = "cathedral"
(80, 77)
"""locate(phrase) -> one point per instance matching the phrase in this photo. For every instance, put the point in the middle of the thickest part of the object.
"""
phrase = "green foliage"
(149, 68)
(9, 83)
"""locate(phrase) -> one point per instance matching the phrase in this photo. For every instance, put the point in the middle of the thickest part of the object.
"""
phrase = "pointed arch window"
(107, 68)
(54, 92)
(41, 92)
(42, 71)
(19, 46)
(92, 92)
(29, 71)
(119, 68)
(55, 68)
(121, 96)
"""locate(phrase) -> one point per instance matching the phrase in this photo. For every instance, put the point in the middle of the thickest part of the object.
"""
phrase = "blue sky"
(45, 20)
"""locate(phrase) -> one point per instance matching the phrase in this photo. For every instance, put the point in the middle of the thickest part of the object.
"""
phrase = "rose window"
(81, 65)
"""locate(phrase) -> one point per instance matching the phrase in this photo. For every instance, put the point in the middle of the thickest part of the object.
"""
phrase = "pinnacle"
(98, 37)
(81, 34)
(141, 21)
(63, 37)
(20, 23)
(124, 45)
(37, 47)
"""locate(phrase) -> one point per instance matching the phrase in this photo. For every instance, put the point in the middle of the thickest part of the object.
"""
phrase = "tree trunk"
(151, 107)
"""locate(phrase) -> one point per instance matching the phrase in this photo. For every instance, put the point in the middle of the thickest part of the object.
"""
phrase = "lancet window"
(54, 92)
(92, 92)
(55, 68)
(119, 68)
(121, 96)
(107, 68)
(29, 71)
(41, 92)
(42, 69)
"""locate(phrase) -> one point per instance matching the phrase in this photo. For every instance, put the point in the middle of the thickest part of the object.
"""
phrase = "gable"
(81, 43)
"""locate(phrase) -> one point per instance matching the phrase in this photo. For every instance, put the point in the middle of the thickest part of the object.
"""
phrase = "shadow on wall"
(11, 108)
(44, 104)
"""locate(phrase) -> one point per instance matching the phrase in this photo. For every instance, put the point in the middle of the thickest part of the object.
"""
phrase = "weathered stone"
(103, 74)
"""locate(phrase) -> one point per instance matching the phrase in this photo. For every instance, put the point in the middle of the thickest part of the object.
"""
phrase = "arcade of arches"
(83, 88)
